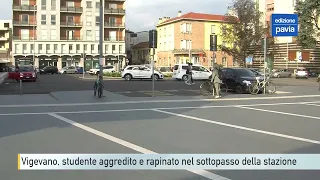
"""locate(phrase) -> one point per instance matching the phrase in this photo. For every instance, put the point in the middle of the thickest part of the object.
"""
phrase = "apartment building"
(189, 35)
(61, 32)
(5, 43)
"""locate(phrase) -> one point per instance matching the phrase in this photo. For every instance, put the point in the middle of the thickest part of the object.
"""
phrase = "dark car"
(239, 79)
(49, 70)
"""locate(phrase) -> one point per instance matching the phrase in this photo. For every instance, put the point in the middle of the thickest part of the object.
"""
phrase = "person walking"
(189, 72)
(216, 81)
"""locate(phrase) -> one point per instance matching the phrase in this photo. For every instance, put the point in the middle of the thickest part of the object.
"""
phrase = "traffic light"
(153, 39)
(213, 42)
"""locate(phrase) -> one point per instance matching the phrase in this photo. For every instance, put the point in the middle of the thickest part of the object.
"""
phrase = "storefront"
(70, 61)
(48, 61)
(24, 61)
(91, 63)
(111, 60)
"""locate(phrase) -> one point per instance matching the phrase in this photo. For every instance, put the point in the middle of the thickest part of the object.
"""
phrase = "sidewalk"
(3, 76)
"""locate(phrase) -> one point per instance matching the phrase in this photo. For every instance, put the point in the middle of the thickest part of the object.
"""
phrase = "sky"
(144, 14)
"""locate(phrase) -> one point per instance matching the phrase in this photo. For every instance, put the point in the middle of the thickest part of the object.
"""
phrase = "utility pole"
(189, 45)
(153, 62)
(34, 35)
(287, 55)
(265, 48)
(101, 39)
(119, 50)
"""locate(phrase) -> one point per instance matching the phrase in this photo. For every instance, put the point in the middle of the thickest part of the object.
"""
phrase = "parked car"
(166, 71)
(302, 73)
(25, 73)
(239, 79)
(318, 80)
(106, 69)
(49, 70)
(68, 70)
(140, 72)
(282, 73)
(199, 72)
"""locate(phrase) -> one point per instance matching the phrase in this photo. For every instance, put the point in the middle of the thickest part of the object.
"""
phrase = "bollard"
(20, 87)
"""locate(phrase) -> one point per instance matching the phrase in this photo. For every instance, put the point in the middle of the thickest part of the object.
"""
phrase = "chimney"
(160, 21)
(179, 13)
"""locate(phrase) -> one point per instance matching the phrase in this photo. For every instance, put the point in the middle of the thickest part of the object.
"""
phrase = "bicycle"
(206, 88)
(254, 88)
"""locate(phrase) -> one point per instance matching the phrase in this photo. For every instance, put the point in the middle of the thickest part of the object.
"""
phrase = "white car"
(68, 70)
(106, 69)
(199, 72)
(140, 72)
(302, 73)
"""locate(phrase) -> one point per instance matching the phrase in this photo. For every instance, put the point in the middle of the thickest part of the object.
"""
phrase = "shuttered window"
(305, 56)
(292, 55)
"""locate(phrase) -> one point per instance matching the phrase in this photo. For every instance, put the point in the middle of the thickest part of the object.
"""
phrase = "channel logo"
(285, 21)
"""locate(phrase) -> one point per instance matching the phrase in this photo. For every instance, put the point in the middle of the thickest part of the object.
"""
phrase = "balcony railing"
(65, 38)
(114, 11)
(4, 38)
(71, 24)
(71, 9)
(114, 25)
(114, 39)
(23, 39)
(23, 8)
(24, 23)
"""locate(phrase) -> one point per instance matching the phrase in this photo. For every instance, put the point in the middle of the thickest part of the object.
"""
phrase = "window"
(113, 35)
(97, 35)
(53, 34)
(113, 6)
(70, 4)
(24, 2)
(89, 4)
(25, 18)
(85, 47)
(48, 47)
(31, 48)
(40, 47)
(55, 47)
(44, 34)
(24, 34)
(92, 47)
(70, 34)
(98, 5)
(120, 48)
(70, 47)
(24, 47)
(185, 44)
(106, 48)
(113, 47)
(43, 4)
(70, 19)
(88, 20)
(97, 19)
(112, 20)
(89, 35)
(43, 19)
(78, 47)
(16, 47)
(53, 5)
(53, 19)
(186, 28)
(213, 29)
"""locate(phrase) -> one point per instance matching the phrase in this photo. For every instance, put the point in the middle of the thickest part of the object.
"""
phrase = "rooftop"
(141, 45)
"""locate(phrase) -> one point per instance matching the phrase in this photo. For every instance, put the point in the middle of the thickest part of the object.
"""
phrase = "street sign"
(284, 25)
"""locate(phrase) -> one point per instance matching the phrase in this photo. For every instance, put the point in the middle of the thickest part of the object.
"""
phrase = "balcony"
(70, 24)
(114, 25)
(114, 39)
(65, 38)
(23, 8)
(186, 51)
(71, 9)
(24, 23)
(115, 11)
(4, 38)
(19, 38)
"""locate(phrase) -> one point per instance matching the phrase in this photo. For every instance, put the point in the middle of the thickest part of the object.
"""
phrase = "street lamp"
(101, 38)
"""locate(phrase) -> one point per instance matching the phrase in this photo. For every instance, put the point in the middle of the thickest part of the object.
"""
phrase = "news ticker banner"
(168, 161)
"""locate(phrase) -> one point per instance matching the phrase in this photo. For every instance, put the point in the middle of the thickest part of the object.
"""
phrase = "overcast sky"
(144, 14)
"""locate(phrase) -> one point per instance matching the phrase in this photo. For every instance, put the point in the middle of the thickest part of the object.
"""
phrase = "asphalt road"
(257, 126)
(137, 88)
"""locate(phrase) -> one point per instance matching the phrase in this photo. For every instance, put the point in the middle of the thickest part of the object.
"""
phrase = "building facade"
(5, 43)
(186, 38)
(66, 32)
(132, 39)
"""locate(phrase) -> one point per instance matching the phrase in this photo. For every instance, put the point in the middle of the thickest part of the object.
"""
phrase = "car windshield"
(244, 72)
(26, 69)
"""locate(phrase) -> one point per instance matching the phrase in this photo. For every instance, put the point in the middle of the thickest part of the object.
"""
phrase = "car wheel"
(239, 89)
(156, 77)
(64, 72)
(184, 77)
(128, 77)
(278, 76)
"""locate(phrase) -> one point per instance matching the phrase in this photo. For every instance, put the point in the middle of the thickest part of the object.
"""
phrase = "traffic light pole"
(153, 52)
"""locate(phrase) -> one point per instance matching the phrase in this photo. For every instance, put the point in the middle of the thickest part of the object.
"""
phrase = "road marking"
(282, 92)
(241, 127)
(156, 93)
(125, 92)
(313, 104)
(132, 146)
(160, 101)
(148, 109)
(279, 112)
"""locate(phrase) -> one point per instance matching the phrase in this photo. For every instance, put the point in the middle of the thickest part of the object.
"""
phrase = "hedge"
(112, 74)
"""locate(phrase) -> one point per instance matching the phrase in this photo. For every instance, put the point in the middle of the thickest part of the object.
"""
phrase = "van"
(199, 72)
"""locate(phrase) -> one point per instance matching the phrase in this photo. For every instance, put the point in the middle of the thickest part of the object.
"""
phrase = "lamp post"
(101, 38)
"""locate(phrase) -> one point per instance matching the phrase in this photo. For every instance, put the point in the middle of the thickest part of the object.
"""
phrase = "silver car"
(282, 73)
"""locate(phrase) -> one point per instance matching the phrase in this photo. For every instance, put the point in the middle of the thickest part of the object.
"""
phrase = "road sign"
(284, 25)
